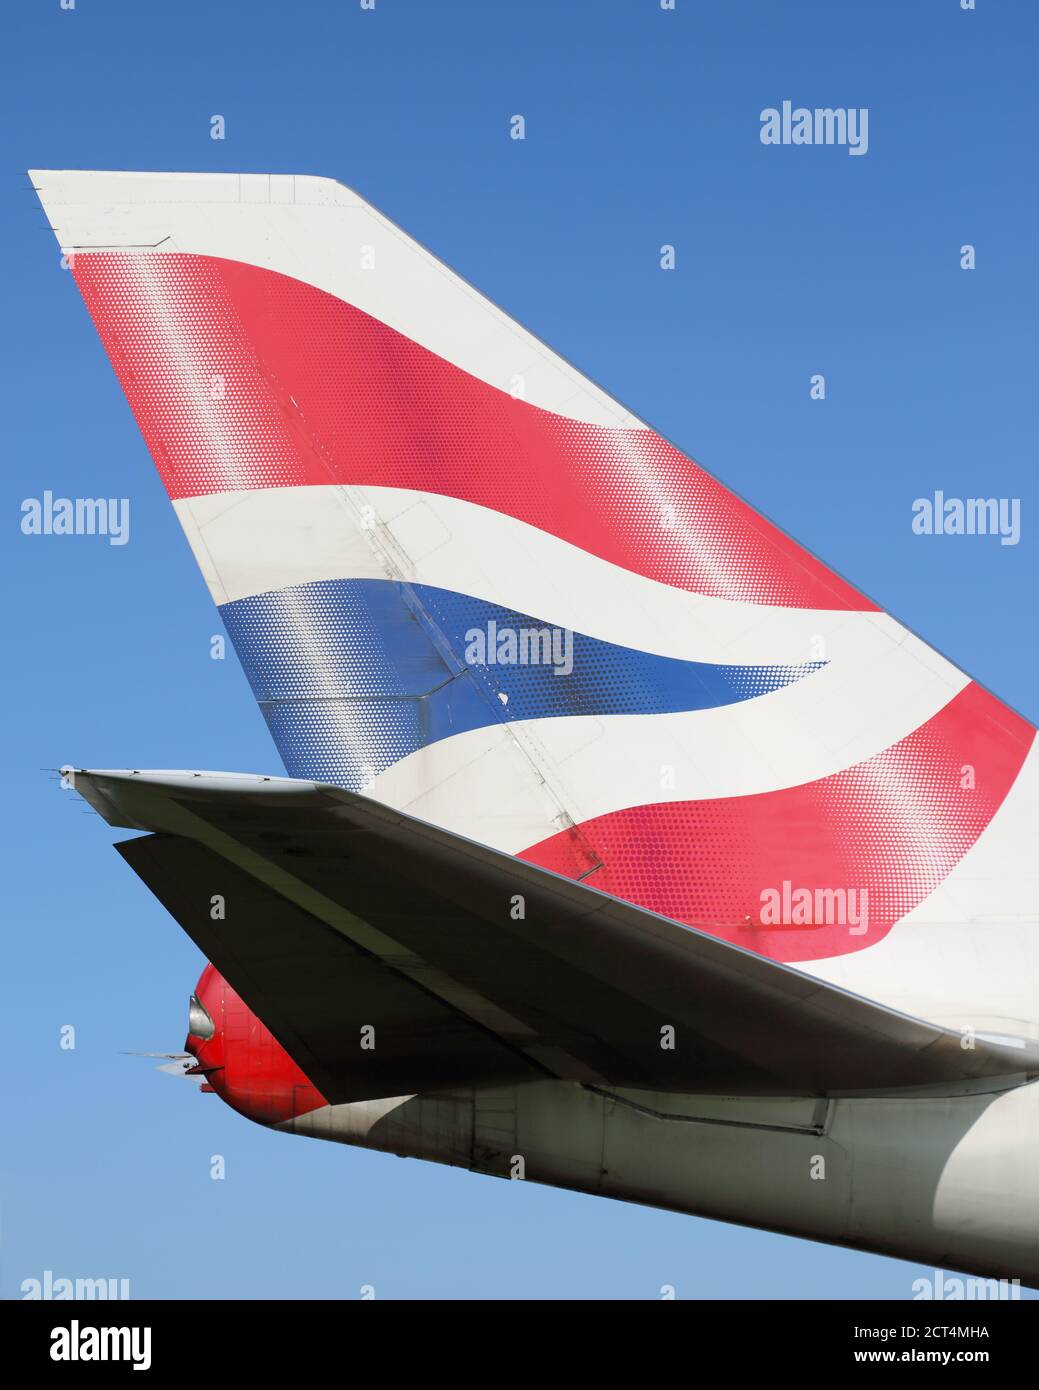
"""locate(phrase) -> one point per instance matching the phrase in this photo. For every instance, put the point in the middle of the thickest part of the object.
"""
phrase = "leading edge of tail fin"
(462, 579)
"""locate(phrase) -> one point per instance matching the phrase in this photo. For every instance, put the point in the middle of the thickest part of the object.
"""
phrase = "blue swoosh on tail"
(355, 674)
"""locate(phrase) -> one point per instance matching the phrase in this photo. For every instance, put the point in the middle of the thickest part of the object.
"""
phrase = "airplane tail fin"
(465, 581)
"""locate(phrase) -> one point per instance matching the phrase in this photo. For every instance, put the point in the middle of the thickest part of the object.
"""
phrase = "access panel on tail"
(465, 582)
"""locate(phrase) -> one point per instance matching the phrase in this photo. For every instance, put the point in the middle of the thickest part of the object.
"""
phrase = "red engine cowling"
(241, 1059)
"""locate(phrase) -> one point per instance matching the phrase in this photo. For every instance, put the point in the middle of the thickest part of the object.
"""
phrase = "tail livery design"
(413, 516)
(583, 754)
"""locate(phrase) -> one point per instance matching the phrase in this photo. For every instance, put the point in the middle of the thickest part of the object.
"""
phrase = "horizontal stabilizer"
(476, 968)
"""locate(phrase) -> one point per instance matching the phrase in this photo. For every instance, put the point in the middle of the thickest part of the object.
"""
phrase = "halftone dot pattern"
(350, 639)
(894, 825)
(604, 678)
(310, 389)
(355, 674)
(345, 742)
(191, 376)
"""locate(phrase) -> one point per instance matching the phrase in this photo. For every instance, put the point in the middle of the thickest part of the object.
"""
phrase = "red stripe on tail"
(243, 378)
(894, 825)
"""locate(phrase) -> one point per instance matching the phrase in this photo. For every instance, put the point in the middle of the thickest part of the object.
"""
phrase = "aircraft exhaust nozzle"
(238, 1057)
(200, 1025)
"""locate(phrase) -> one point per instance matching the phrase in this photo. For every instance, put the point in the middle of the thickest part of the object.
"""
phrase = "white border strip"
(263, 540)
(318, 231)
(474, 784)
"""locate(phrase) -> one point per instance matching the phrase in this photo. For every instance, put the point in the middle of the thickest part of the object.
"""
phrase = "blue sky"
(642, 128)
